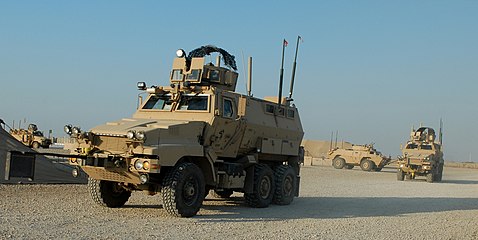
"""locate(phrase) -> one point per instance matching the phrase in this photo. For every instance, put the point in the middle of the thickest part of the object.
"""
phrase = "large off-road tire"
(367, 165)
(349, 166)
(408, 176)
(440, 173)
(183, 190)
(430, 177)
(35, 145)
(286, 182)
(400, 175)
(225, 193)
(108, 193)
(264, 186)
(338, 163)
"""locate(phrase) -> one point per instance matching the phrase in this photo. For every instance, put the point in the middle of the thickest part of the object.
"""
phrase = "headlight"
(145, 165)
(67, 129)
(141, 86)
(138, 165)
(141, 136)
(130, 134)
(75, 130)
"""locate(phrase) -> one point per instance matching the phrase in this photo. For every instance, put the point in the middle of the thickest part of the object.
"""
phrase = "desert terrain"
(333, 204)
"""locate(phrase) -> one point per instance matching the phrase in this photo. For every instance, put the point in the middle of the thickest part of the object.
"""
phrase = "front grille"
(112, 144)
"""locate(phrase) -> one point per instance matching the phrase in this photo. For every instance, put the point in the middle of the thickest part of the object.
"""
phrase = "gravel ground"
(333, 204)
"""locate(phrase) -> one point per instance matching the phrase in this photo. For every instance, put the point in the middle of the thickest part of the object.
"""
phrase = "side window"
(227, 108)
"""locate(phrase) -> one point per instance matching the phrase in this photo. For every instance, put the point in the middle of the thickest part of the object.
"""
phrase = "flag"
(285, 43)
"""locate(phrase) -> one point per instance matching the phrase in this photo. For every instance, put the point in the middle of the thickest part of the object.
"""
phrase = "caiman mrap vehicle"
(422, 156)
(365, 156)
(195, 135)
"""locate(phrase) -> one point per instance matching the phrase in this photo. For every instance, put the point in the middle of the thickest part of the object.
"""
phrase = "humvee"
(195, 135)
(365, 156)
(421, 156)
(31, 136)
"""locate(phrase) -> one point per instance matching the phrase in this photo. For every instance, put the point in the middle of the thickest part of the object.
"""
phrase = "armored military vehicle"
(31, 136)
(422, 156)
(195, 135)
(365, 156)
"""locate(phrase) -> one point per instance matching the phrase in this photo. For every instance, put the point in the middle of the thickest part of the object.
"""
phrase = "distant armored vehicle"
(365, 156)
(422, 156)
(31, 136)
(194, 136)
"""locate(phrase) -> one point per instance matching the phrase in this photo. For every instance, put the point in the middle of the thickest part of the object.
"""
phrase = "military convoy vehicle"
(195, 135)
(31, 137)
(365, 156)
(422, 156)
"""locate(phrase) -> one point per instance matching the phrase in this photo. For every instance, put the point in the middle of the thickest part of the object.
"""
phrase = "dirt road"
(334, 204)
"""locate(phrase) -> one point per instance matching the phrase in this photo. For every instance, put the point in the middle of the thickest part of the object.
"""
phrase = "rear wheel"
(367, 165)
(263, 189)
(338, 163)
(430, 177)
(400, 175)
(286, 182)
(108, 193)
(183, 190)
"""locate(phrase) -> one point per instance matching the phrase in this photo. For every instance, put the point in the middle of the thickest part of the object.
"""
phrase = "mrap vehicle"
(422, 156)
(193, 136)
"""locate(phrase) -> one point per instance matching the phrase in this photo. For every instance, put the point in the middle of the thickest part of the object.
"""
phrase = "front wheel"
(367, 165)
(264, 186)
(107, 193)
(183, 190)
(35, 145)
(400, 175)
(430, 177)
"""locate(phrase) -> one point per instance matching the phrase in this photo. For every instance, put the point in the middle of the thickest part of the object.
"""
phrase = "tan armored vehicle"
(31, 136)
(365, 156)
(194, 136)
(421, 156)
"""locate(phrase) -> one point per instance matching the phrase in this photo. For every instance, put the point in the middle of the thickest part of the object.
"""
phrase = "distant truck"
(31, 136)
(422, 156)
(365, 156)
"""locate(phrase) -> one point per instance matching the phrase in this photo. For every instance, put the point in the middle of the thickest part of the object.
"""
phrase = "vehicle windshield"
(162, 102)
(187, 102)
(193, 103)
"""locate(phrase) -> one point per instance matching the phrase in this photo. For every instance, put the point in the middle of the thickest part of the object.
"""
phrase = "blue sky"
(369, 69)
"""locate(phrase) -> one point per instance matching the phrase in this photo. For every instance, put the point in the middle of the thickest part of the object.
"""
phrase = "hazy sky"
(369, 69)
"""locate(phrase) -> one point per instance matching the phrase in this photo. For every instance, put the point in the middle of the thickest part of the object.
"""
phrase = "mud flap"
(297, 186)
(20, 165)
(249, 181)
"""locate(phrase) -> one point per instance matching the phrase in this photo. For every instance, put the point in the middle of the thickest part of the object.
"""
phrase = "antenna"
(331, 140)
(336, 135)
(281, 78)
(440, 134)
(249, 76)
(293, 69)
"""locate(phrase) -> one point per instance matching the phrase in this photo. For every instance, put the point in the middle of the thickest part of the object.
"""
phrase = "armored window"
(228, 110)
(426, 147)
(411, 146)
(177, 75)
(158, 103)
(269, 108)
(290, 113)
(193, 103)
(194, 75)
(214, 75)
